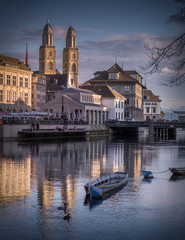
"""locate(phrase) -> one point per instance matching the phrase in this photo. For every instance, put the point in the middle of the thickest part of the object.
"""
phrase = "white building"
(114, 101)
(151, 105)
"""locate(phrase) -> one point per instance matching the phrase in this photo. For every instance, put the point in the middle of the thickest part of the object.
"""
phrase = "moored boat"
(147, 174)
(178, 171)
(105, 184)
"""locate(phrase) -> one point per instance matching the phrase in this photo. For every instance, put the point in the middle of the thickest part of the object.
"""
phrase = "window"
(21, 95)
(147, 109)
(1, 95)
(1, 78)
(26, 82)
(154, 110)
(127, 101)
(127, 88)
(113, 76)
(50, 66)
(8, 79)
(73, 68)
(50, 53)
(14, 97)
(8, 96)
(26, 98)
(21, 82)
(14, 81)
(74, 56)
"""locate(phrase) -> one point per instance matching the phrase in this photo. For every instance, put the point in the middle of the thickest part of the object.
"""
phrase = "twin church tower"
(47, 55)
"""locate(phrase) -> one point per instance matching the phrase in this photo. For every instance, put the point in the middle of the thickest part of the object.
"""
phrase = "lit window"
(21, 82)
(26, 82)
(8, 79)
(14, 81)
(1, 78)
(26, 98)
(8, 96)
(127, 88)
(1, 95)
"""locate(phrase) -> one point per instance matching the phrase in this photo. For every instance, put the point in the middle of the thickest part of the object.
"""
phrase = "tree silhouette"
(172, 52)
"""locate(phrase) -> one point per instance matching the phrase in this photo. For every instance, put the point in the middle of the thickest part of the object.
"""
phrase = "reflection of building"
(14, 179)
(15, 85)
(129, 86)
(151, 105)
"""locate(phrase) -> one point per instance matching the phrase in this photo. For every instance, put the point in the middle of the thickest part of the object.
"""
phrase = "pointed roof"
(123, 76)
(13, 62)
(148, 96)
(105, 91)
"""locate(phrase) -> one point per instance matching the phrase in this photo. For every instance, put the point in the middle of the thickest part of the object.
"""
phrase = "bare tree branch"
(172, 53)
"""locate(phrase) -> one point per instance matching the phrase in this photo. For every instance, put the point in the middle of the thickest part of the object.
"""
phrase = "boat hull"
(147, 174)
(106, 184)
(178, 171)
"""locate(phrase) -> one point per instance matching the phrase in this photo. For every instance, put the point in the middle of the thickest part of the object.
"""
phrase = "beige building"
(151, 105)
(15, 85)
(38, 91)
(130, 87)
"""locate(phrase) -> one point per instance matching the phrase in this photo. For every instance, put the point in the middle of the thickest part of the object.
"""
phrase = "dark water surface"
(38, 177)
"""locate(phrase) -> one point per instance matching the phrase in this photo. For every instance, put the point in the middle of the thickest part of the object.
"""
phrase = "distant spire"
(48, 20)
(26, 62)
(122, 64)
(71, 24)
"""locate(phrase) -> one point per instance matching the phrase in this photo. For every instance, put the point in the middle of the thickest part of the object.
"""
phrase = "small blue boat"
(147, 174)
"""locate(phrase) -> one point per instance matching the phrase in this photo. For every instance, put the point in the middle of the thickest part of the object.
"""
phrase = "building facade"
(151, 105)
(71, 58)
(77, 104)
(15, 85)
(47, 52)
(38, 91)
(114, 101)
(123, 83)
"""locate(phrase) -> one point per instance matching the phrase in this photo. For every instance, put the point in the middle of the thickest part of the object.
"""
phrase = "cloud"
(59, 33)
(166, 70)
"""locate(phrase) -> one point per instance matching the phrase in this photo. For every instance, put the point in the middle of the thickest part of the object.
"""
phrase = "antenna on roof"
(115, 60)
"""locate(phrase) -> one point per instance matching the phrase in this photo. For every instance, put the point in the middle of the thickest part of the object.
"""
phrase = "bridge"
(154, 128)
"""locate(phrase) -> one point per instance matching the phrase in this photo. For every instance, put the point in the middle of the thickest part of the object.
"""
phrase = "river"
(37, 178)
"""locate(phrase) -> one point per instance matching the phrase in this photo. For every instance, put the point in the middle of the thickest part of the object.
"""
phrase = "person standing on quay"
(37, 124)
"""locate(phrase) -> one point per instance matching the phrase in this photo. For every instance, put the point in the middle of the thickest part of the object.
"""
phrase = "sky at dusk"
(104, 30)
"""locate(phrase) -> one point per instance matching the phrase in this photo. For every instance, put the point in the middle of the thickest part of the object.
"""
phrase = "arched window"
(73, 67)
(50, 53)
(50, 66)
(74, 56)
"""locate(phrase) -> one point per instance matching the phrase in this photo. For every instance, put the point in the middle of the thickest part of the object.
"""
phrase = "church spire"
(26, 60)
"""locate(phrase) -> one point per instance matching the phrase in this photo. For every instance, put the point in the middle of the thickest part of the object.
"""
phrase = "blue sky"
(104, 30)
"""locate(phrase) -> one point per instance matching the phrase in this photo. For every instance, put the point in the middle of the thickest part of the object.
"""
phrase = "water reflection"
(45, 165)
(36, 178)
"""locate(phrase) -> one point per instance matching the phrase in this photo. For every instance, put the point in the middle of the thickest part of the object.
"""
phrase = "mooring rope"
(160, 172)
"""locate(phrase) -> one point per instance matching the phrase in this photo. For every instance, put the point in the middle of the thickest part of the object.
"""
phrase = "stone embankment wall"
(10, 131)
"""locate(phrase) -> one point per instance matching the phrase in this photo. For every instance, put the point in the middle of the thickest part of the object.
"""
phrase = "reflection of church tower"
(71, 57)
(47, 53)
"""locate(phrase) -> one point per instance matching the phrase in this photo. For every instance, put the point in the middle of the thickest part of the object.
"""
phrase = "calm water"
(36, 178)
